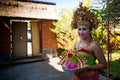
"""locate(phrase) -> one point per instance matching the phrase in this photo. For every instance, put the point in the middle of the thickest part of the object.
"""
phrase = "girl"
(82, 60)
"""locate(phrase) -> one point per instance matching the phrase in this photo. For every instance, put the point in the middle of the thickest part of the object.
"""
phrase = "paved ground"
(42, 70)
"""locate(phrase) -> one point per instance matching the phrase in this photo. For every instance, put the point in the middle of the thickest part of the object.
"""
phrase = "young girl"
(82, 60)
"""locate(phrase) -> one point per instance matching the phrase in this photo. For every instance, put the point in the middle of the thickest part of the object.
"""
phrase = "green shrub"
(114, 70)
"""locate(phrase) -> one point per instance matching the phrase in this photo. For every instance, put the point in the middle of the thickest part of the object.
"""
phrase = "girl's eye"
(84, 29)
(79, 29)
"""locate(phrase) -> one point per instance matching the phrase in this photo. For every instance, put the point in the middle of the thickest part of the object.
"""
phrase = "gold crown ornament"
(83, 16)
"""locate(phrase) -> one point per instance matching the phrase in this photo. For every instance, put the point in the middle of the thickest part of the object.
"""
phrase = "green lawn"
(114, 66)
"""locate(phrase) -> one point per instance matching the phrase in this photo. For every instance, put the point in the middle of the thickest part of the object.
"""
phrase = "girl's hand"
(78, 72)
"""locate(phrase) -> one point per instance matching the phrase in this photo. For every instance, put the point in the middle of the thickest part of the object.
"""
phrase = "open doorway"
(29, 40)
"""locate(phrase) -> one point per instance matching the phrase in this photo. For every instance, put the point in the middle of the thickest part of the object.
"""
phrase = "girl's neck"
(86, 40)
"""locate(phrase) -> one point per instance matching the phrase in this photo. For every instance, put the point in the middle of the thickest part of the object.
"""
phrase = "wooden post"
(108, 50)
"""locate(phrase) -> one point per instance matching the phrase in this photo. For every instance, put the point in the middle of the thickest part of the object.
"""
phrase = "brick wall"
(49, 42)
(48, 37)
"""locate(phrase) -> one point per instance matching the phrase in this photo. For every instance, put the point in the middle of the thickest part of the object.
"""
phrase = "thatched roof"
(28, 9)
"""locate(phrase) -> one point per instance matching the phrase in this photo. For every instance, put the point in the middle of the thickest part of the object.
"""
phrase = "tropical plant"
(109, 12)
(112, 10)
(66, 36)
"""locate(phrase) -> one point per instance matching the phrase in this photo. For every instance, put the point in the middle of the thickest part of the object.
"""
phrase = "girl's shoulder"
(94, 43)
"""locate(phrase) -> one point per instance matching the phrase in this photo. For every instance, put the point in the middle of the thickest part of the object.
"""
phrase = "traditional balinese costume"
(80, 58)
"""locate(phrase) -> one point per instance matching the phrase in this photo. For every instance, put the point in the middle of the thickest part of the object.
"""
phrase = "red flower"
(70, 55)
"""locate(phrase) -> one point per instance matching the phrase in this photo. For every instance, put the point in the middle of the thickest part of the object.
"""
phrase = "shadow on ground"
(40, 70)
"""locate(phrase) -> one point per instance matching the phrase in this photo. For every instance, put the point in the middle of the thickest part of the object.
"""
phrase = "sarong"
(94, 77)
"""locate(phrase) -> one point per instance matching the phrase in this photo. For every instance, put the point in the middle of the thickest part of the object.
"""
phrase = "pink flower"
(71, 65)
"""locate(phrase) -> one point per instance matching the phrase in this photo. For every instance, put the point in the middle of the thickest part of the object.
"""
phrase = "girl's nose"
(81, 31)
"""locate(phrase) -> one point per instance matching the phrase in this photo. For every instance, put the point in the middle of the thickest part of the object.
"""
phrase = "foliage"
(109, 12)
(99, 35)
(114, 41)
(66, 36)
(112, 10)
(114, 70)
(113, 48)
(114, 66)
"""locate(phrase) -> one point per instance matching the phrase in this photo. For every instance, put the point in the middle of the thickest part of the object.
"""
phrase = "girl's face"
(83, 32)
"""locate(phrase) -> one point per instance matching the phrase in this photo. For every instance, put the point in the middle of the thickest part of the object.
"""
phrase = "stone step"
(26, 60)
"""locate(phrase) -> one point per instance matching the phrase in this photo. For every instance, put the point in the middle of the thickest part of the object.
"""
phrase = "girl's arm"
(100, 57)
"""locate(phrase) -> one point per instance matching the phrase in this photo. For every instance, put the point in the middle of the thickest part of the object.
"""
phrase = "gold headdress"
(83, 16)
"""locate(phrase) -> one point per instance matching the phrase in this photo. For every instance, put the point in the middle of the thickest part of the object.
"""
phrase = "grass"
(114, 66)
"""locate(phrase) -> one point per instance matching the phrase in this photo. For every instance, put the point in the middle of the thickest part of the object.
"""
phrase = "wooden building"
(25, 28)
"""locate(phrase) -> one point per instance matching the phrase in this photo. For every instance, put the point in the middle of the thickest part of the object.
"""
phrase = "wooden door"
(19, 39)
